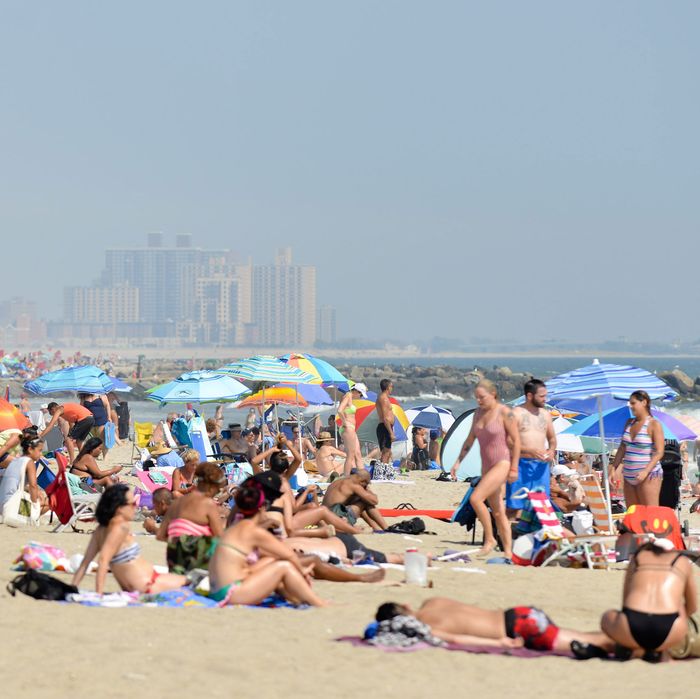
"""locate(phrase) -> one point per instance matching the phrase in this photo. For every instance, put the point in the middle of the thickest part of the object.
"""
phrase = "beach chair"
(83, 505)
(154, 479)
(169, 439)
(143, 433)
(551, 543)
(595, 501)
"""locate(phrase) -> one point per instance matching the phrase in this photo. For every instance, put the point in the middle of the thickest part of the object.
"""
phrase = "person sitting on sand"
(23, 468)
(193, 520)
(326, 453)
(290, 512)
(88, 470)
(236, 572)
(162, 499)
(183, 477)
(350, 498)
(117, 549)
(448, 621)
(659, 595)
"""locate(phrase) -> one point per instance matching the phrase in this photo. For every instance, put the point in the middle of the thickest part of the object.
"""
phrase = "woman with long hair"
(86, 467)
(117, 549)
(23, 468)
(346, 413)
(183, 477)
(638, 459)
(495, 426)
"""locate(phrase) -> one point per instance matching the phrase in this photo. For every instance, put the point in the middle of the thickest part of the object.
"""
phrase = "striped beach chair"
(595, 501)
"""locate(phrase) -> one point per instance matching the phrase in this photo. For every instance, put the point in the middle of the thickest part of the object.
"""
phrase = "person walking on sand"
(385, 428)
(495, 426)
(538, 442)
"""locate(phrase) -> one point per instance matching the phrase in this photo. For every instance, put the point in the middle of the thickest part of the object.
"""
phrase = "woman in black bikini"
(86, 467)
(659, 594)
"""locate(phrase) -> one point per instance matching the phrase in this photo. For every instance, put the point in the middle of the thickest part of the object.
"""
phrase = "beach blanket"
(38, 556)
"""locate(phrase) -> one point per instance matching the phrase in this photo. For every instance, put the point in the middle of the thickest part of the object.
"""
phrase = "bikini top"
(660, 566)
(250, 558)
(127, 554)
(351, 409)
(185, 527)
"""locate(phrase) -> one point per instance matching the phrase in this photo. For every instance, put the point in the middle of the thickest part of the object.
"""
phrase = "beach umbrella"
(689, 421)
(431, 417)
(198, 387)
(275, 395)
(573, 442)
(600, 380)
(614, 422)
(83, 379)
(311, 393)
(266, 369)
(367, 420)
(11, 418)
(325, 372)
(120, 386)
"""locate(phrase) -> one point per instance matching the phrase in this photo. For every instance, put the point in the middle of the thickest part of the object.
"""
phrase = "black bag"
(40, 586)
(414, 525)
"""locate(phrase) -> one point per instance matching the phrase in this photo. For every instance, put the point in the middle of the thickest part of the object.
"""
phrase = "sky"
(455, 169)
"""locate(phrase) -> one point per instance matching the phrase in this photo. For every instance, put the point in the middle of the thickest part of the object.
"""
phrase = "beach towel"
(38, 556)
(110, 435)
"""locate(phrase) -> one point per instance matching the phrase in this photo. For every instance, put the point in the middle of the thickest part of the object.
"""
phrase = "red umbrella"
(11, 418)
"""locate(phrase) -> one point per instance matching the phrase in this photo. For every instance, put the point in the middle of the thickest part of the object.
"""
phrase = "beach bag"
(40, 586)
(415, 525)
(38, 556)
(20, 510)
(582, 522)
(59, 496)
(690, 648)
(382, 472)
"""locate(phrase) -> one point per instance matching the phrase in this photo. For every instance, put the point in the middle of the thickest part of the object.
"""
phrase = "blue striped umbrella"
(83, 379)
(599, 380)
(431, 417)
(198, 387)
(266, 369)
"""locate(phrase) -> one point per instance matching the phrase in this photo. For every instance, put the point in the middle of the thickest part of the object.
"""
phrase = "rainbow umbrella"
(367, 420)
(11, 418)
(320, 369)
(275, 395)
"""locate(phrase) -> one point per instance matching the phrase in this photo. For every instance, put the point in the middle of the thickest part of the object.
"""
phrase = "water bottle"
(416, 565)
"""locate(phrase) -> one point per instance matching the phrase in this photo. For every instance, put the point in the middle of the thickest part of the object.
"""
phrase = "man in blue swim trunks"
(538, 442)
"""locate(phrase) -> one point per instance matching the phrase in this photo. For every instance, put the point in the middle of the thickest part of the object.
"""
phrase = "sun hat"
(324, 437)
(361, 389)
(159, 449)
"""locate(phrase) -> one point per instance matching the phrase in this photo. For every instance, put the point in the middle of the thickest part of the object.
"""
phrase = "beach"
(250, 652)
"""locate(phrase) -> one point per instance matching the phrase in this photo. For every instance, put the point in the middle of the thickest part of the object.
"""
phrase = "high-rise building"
(326, 326)
(97, 304)
(284, 303)
(157, 272)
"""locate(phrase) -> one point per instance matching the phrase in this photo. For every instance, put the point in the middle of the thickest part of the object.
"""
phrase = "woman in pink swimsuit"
(495, 426)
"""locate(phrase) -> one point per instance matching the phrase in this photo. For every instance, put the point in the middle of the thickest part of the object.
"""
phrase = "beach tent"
(452, 445)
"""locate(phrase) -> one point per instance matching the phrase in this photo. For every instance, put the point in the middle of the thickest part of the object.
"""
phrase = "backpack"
(415, 525)
(382, 472)
(40, 586)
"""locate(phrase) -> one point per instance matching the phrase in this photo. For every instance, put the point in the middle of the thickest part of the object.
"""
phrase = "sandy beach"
(267, 653)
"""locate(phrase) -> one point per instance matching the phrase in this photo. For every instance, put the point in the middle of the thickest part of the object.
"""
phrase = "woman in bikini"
(237, 573)
(193, 521)
(659, 595)
(87, 469)
(346, 412)
(183, 477)
(116, 548)
(495, 426)
(638, 459)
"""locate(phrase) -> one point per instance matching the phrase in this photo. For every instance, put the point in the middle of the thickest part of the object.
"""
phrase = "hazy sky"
(512, 169)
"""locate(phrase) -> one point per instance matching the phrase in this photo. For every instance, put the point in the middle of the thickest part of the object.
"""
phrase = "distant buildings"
(326, 325)
(19, 324)
(184, 295)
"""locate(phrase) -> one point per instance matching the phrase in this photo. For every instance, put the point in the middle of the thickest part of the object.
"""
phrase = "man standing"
(538, 443)
(385, 428)
(76, 421)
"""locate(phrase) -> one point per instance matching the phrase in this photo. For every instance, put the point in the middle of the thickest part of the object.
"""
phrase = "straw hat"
(159, 449)
(324, 437)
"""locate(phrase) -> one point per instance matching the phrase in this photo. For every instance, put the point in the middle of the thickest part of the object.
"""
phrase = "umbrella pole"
(606, 479)
(335, 412)
(296, 391)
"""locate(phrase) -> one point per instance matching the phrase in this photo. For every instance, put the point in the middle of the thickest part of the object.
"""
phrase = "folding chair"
(595, 501)
(84, 505)
(143, 432)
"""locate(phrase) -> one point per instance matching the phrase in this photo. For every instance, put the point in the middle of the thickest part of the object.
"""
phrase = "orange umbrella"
(11, 418)
(286, 395)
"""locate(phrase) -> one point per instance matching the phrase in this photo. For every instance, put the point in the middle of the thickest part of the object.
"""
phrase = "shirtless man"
(236, 444)
(538, 442)
(385, 428)
(307, 446)
(351, 498)
(455, 622)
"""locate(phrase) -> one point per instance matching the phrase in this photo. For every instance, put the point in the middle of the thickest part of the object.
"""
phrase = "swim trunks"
(383, 436)
(344, 512)
(536, 629)
(81, 429)
(533, 475)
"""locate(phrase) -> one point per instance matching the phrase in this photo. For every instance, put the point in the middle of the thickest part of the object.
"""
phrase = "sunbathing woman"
(454, 622)
(236, 572)
(86, 467)
(292, 515)
(193, 521)
(658, 596)
(116, 548)
(183, 477)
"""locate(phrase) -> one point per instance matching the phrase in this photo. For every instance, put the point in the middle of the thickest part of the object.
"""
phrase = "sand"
(56, 650)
